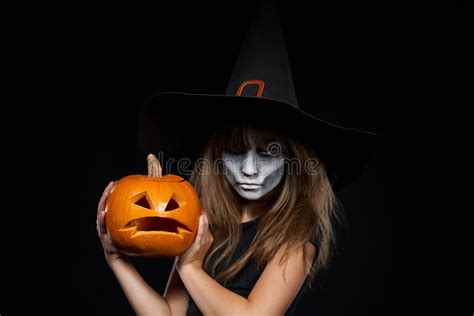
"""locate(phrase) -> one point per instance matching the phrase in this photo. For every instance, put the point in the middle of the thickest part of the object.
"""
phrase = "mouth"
(246, 186)
(156, 224)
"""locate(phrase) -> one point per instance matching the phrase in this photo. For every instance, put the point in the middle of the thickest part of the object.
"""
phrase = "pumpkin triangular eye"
(143, 202)
(172, 205)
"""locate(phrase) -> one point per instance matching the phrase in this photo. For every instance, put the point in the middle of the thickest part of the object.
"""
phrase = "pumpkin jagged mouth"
(156, 224)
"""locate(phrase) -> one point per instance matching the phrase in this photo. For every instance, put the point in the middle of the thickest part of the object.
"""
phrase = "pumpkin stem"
(154, 167)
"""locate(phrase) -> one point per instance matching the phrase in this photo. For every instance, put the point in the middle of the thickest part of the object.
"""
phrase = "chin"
(250, 196)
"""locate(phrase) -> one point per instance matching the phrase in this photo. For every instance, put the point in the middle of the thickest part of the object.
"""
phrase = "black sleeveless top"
(245, 280)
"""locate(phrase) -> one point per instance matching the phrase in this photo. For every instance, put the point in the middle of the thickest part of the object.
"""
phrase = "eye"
(143, 202)
(235, 152)
(172, 204)
(263, 152)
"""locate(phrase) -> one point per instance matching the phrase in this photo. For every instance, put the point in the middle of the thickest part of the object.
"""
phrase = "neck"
(250, 211)
(255, 208)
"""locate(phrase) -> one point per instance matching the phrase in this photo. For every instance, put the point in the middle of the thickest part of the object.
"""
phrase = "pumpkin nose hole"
(172, 205)
(143, 202)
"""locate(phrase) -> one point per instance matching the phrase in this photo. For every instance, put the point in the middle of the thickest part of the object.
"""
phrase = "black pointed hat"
(261, 92)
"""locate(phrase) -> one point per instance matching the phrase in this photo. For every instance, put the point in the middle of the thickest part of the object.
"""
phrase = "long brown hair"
(301, 207)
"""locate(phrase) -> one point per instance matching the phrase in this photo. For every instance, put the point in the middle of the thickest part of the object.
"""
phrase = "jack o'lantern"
(154, 215)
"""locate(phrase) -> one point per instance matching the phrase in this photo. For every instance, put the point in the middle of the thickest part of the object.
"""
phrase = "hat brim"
(179, 125)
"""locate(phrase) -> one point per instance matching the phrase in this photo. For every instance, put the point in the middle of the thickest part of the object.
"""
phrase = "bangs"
(238, 138)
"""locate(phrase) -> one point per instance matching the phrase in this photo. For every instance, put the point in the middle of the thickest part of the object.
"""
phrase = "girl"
(265, 182)
(266, 229)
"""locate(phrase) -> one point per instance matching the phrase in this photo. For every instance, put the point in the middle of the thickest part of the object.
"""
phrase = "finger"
(102, 227)
(103, 198)
(207, 230)
(206, 225)
(202, 225)
(99, 223)
(200, 230)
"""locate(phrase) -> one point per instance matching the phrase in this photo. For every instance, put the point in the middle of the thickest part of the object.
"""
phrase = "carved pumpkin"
(154, 215)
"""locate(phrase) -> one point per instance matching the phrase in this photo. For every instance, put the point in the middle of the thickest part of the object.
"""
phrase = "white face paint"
(253, 173)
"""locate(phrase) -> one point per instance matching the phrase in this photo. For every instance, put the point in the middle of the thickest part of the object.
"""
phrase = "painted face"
(253, 173)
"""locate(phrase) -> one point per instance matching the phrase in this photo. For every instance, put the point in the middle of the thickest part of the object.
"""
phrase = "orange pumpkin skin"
(152, 217)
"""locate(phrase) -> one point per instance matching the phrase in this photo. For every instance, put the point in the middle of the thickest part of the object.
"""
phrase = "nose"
(249, 165)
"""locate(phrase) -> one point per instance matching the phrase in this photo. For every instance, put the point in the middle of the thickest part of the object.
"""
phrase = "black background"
(76, 78)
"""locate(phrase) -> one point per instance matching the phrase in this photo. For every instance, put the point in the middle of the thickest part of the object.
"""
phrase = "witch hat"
(260, 91)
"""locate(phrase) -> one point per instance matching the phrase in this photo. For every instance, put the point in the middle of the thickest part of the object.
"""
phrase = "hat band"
(260, 83)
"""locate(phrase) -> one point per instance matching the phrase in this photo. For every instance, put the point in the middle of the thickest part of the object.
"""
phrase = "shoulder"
(300, 254)
(311, 250)
(281, 279)
(314, 244)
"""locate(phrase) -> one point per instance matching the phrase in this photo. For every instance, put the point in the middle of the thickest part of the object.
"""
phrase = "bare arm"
(176, 294)
(273, 293)
(143, 298)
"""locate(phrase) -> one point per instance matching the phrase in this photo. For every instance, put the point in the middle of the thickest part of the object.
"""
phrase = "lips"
(249, 186)
(156, 224)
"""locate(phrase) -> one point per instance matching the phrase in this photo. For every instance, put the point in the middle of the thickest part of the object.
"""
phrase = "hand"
(111, 252)
(197, 251)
